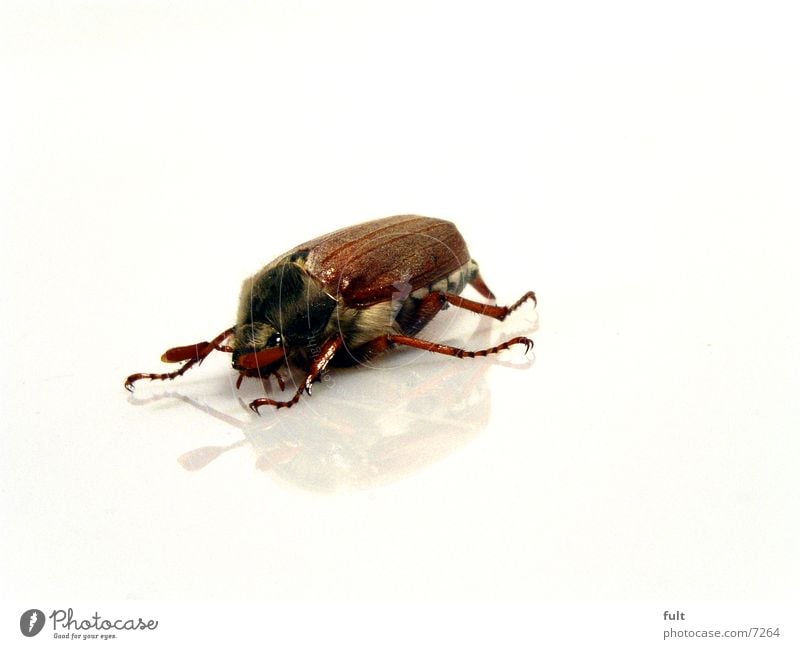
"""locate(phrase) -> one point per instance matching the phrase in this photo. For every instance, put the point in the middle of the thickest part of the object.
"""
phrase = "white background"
(637, 165)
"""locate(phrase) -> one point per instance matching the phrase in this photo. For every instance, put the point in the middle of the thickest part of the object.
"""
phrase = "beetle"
(345, 297)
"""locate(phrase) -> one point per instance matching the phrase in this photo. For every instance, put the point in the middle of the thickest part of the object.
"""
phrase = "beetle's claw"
(131, 380)
(254, 407)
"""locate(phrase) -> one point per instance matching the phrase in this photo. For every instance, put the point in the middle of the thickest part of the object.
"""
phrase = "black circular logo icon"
(31, 622)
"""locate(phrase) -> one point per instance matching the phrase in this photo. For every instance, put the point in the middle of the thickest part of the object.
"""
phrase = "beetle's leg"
(435, 301)
(382, 343)
(263, 375)
(479, 285)
(326, 354)
(279, 379)
(195, 352)
(265, 379)
(492, 310)
(424, 311)
(190, 353)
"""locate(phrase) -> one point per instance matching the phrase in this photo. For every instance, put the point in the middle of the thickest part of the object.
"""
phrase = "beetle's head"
(282, 310)
(257, 346)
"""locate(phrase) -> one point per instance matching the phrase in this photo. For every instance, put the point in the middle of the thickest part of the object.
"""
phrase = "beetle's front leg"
(326, 354)
(192, 354)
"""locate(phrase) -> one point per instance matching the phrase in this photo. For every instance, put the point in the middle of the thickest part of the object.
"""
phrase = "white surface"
(636, 167)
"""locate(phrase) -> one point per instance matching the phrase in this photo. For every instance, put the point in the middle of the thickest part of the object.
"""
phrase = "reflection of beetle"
(346, 296)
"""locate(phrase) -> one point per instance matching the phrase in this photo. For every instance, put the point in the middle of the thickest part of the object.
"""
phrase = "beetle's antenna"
(192, 354)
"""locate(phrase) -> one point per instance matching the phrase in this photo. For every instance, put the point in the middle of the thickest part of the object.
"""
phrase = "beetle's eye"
(274, 340)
